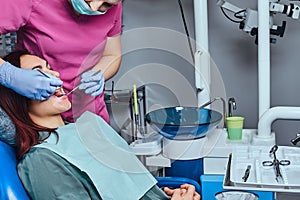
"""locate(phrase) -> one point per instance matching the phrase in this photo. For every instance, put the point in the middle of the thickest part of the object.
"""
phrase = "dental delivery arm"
(20, 80)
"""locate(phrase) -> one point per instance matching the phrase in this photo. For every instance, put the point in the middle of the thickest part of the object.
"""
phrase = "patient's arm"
(45, 175)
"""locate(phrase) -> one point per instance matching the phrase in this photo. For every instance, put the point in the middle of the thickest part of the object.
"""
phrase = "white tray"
(265, 175)
(229, 185)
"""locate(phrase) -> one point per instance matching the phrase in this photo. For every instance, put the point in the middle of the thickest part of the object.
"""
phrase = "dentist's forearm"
(109, 66)
(111, 58)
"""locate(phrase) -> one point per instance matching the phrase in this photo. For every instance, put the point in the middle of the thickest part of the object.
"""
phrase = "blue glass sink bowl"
(183, 123)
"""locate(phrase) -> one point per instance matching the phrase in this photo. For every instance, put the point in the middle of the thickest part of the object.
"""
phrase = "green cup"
(235, 127)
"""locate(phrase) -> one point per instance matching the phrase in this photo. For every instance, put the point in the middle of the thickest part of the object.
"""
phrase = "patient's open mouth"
(59, 92)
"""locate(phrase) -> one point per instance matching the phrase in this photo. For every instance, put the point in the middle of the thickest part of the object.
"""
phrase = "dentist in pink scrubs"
(76, 37)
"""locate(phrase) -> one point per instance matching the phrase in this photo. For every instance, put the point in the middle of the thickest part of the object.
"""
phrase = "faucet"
(223, 104)
(231, 106)
(296, 139)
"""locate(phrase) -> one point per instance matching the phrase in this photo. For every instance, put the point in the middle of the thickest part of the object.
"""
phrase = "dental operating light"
(248, 18)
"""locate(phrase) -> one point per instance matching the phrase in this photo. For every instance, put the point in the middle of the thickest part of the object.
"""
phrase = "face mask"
(82, 8)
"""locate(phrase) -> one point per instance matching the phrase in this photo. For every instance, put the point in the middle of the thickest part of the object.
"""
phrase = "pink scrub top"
(71, 44)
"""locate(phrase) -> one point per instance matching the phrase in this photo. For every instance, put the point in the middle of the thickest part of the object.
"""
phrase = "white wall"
(233, 51)
(236, 56)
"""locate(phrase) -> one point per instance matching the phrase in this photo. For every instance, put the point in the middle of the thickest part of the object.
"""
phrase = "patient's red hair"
(17, 108)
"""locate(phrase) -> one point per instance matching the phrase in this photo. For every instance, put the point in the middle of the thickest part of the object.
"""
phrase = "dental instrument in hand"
(21, 81)
(46, 75)
(76, 87)
(43, 73)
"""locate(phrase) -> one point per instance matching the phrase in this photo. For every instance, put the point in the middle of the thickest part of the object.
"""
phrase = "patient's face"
(56, 104)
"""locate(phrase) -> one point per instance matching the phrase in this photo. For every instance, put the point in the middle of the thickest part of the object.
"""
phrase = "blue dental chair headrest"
(10, 184)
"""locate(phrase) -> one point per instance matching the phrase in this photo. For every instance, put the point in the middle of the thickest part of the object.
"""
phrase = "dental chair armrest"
(176, 182)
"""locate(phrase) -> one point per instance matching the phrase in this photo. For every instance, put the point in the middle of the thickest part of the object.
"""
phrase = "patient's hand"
(185, 192)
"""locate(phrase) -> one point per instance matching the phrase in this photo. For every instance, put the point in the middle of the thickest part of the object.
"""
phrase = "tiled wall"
(7, 43)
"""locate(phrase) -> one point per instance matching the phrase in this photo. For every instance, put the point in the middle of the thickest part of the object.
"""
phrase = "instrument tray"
(261, 177)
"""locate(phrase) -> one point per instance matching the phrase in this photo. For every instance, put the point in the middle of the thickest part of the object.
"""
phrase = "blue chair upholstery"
(10, 184)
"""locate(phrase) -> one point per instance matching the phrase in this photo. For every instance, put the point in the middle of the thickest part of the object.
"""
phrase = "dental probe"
(43, 73)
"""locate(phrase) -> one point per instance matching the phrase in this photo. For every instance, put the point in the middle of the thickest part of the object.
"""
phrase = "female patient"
(65, 169)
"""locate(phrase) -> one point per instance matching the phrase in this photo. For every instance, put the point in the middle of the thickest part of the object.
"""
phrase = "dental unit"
(209, 155)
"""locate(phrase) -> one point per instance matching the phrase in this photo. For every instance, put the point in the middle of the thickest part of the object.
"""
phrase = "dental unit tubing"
(274, 113)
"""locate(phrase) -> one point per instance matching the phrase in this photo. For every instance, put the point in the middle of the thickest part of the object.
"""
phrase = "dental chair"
(11, 187)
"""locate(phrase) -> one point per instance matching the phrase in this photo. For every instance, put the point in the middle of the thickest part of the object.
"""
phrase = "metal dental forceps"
(276, 163)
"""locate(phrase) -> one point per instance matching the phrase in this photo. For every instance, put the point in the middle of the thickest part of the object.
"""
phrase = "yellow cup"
(235, 127)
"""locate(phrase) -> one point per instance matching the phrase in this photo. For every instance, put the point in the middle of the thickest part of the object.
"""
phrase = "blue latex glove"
(92, 82)
(29, 83)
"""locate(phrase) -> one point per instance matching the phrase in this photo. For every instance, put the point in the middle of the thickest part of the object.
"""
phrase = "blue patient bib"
(94, 147)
